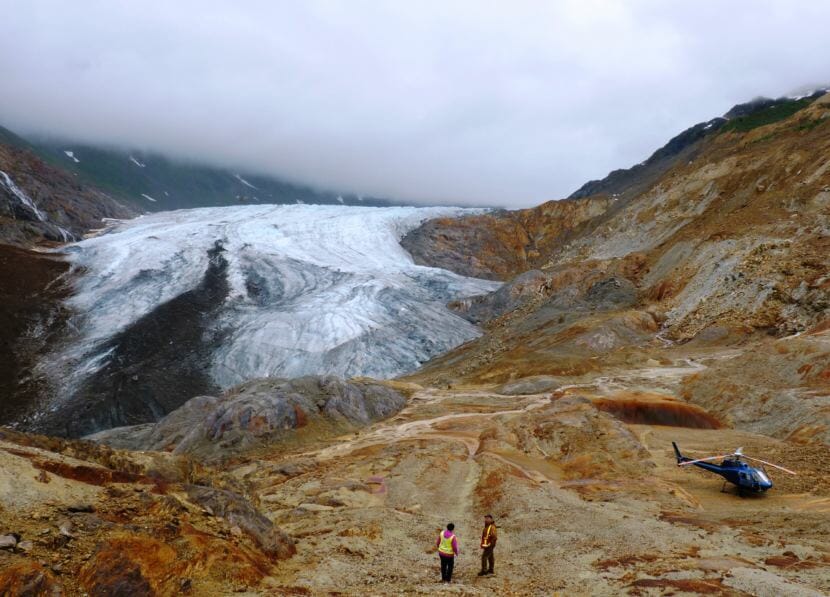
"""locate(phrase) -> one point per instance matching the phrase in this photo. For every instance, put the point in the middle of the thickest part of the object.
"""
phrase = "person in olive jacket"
(488, 544)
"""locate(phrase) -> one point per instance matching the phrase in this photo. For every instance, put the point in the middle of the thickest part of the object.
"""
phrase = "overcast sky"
(507, 103)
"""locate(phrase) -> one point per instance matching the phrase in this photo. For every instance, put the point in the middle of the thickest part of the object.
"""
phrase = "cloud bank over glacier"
(467, 102)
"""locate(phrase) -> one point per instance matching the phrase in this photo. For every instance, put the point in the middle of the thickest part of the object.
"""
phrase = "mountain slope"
(153, 182)
(627, 182)
(721, 251)
(41, 201)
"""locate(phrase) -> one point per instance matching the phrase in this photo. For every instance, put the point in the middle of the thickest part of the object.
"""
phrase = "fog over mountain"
(462, 102)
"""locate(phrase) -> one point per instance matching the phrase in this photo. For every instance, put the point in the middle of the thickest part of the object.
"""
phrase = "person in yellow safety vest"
(488, 544)
(447, 550)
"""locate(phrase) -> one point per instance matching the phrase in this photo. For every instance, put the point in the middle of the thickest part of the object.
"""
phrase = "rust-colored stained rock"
(657, 410)
(700, 587)
(500, 245)
(140, 565)
(113, 572)
(29, 579)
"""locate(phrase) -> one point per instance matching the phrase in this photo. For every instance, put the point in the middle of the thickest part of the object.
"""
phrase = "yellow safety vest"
(445, 546)
(485, 540)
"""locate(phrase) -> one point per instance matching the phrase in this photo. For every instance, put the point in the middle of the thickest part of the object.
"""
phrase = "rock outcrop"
(261, 412)
(41, 202)
(500, 245)
(32, 290)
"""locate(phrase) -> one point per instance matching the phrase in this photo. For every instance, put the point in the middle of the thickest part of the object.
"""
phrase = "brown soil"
(31, 313)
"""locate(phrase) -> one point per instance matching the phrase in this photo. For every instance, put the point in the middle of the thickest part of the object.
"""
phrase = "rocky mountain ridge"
(41, 202)
(727, 249)
(148, 182)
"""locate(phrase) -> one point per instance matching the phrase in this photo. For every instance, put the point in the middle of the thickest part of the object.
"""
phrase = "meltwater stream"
(179, 303)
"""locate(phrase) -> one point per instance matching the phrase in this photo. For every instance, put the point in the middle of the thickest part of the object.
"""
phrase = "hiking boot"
(482, 573)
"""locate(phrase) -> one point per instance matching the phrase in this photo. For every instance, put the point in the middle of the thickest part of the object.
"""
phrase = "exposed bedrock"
(536, 286)
(32, 290)
(40, 202)
(259, 412)
(781, 389)
(500, 245)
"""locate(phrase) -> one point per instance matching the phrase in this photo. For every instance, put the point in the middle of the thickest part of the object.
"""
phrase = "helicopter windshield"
(760, 476)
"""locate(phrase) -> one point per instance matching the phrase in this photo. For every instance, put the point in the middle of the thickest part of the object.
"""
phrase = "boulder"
(8, 541)
(519, 291)
(240, 513)
(536, 384)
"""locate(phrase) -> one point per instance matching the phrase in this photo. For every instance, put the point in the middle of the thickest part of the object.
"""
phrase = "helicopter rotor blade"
(703, 459)
(739, 452)
(786, 470)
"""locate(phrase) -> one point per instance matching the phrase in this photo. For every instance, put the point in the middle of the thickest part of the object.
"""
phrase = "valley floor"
(586, 504)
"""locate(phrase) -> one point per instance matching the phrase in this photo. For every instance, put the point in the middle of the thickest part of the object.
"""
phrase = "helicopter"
(748, 479)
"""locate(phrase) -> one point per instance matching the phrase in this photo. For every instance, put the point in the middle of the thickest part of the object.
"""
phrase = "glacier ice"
(313, 289)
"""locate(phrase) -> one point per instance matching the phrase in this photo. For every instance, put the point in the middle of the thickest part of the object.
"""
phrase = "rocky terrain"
(727, 249)
(261, 413)
(686, 299)
(41, 202)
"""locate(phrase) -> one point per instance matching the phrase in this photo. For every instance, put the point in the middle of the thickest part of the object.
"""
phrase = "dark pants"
(446, 567)
(488, 560)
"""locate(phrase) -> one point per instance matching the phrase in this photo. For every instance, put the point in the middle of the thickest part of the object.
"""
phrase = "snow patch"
(340, 199)
(137, 163)
(243, 181)
(29, 204)
(71, 156)
(148, 198)
(24, 199)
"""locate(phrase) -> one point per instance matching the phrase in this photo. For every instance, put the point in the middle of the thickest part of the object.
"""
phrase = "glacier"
(298, 289)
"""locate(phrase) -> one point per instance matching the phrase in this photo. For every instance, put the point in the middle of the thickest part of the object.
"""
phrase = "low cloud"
(468, 101)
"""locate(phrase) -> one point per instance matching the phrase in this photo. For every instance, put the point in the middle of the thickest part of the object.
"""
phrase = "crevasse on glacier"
(311, 289)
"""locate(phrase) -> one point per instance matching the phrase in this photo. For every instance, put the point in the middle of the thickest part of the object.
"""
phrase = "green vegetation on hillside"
(774, 113)
(810, 124)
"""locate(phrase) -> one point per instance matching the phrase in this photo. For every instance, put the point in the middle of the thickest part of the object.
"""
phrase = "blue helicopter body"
(734, 470)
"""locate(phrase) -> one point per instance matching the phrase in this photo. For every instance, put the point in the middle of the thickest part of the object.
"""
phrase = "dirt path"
(586, 505)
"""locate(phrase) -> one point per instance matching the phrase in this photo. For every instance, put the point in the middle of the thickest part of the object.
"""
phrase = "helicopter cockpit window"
(760, 476)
